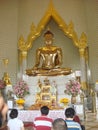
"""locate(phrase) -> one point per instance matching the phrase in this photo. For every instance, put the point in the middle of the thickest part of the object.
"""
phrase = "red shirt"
(77, 119)
(43, 123)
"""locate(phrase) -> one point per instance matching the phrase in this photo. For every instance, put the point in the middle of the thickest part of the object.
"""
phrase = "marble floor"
(90, 122)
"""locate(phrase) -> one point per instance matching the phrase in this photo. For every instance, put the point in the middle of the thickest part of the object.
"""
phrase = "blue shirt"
(72, 125)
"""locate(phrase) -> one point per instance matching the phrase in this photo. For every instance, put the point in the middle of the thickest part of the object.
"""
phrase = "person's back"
(72, 125)
(59, 124)
(14, 123)
(77, 119)
(43, 122)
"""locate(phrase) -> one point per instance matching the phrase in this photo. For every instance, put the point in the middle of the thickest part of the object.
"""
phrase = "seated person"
(43, 122)
(3, 110)
(14, 123)
(72, 125)
(48, 59)
(77, 119)
(59, 124)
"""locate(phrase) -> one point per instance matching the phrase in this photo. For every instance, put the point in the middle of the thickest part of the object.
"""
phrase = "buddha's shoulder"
(49, 48)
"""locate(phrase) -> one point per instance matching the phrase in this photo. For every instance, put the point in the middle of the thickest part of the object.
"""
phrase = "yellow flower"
(64, 100)
(20, 101)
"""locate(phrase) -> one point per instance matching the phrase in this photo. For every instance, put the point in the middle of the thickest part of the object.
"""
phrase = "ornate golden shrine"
(46, 95)
(80, 43)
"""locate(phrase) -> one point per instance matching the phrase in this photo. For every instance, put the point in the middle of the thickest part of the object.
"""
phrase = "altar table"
(29, 115)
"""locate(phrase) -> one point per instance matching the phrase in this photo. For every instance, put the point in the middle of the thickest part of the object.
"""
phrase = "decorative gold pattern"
(67, 29)
(5, 61)
(84, 85)
(24, 54)
(82, 45)
(6, 77)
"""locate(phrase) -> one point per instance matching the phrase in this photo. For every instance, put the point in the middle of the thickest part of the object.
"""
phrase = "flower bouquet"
(21, 89)
(64, 101)
(20, 101)
(73, 87)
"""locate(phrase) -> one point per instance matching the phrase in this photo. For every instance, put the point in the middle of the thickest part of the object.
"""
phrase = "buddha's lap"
(49, 72)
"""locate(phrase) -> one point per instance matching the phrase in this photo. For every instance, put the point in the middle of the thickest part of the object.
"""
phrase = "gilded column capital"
(22, 45)
(82, 52)
(24, 54)
(82, 44)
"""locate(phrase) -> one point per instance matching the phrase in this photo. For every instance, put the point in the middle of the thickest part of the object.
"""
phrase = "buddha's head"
(48, 37)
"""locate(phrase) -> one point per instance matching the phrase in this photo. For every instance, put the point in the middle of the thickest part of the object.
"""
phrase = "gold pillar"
(93, 94)
(83, 69)
(23, 62)
(82, 46)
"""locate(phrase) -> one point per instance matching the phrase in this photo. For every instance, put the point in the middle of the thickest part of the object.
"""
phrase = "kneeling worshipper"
(43, 122)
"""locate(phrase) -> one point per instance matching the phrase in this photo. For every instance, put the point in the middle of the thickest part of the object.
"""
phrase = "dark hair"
(44, 110)
(48, 32)
(13, 113)
(59, 124)
(69, 112)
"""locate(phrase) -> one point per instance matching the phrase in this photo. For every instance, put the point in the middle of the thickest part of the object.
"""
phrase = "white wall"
(8, 36)
(92, 31)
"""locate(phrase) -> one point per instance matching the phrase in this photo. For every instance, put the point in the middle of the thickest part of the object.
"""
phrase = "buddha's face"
(48, 39)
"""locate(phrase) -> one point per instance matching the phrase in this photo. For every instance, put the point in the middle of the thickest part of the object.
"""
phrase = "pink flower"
(21, 89)
(72, 87)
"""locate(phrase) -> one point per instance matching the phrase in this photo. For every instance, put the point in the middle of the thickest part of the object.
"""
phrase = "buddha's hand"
(57, 67)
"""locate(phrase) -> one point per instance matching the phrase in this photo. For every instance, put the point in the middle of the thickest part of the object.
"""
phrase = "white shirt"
(15, 124)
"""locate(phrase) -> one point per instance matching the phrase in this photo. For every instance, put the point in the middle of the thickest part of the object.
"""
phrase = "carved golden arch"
(67, 29)
(80, 43)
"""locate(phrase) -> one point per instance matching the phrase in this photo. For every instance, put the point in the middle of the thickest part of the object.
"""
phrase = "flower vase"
(73, 99)
(65, 105)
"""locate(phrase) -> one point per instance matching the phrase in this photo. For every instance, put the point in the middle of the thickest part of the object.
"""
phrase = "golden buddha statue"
(48, 59)
(6, 79)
